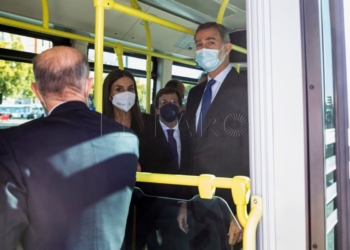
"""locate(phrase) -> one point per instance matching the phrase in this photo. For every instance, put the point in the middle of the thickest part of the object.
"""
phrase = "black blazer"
(66, 181)
(223, 148)
(156, 157)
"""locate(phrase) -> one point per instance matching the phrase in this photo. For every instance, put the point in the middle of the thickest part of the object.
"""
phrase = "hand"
(182, 218)
(138, 169)
(235, 233)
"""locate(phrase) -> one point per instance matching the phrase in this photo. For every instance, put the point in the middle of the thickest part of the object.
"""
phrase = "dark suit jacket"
(66, 181)
(223, 149)
(156, 157)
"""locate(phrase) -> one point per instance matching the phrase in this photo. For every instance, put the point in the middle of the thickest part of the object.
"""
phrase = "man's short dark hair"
(166, 91)
(224, 34)
(174, 84)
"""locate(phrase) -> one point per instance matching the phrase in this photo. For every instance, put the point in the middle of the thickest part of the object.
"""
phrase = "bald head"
(59, 69)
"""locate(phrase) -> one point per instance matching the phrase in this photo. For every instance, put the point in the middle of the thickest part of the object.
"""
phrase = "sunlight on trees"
(15, 77)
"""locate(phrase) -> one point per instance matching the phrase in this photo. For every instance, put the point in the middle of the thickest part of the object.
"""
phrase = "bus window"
(23, 43)
(188, 87)
(141, 91)
(186, 72)
(110, 58)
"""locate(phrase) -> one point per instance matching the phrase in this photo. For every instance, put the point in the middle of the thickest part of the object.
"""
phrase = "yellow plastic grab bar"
(40, 29)
(240, 186)
(145, 16)
(222, 11)
(249, 233)
(119, 51)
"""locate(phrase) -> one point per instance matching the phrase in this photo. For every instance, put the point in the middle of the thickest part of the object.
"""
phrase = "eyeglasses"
(173, 101)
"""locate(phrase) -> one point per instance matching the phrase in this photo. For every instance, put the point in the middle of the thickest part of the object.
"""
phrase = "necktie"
(173, 146)
(206, 101)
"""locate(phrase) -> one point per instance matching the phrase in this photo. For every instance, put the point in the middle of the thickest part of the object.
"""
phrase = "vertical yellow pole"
(119, 51)
(99, 35)
(249, 233)
(45, 12)
(148, 70)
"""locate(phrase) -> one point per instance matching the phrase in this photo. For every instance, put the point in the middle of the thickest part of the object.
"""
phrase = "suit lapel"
(192, 119)
(164, 145)
(225, 91)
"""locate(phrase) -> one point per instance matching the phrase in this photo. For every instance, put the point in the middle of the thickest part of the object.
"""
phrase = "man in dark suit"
(66, 179)
(217, 116)
(163, 149)
(156, 152)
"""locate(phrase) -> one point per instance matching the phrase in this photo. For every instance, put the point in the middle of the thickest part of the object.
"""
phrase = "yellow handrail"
(99, 35)
(222, 11)
(119, 51)
(249, 234)
(145, 16)
(240, 188)
(238, 67)
(207, 184)
(40, 29)
(45, 13)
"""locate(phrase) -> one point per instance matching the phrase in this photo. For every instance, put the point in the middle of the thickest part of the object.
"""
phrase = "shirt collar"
(165, 127)
(55, 107)
(222, 75)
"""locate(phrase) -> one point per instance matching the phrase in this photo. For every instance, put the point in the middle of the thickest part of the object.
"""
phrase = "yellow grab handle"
(249, 233)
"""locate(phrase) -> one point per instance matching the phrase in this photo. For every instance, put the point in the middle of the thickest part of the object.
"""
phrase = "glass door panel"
(330, 184)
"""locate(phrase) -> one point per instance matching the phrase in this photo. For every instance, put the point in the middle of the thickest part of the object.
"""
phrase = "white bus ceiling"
(78, 17)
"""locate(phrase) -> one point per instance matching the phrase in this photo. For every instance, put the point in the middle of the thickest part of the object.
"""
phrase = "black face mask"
(169, 112)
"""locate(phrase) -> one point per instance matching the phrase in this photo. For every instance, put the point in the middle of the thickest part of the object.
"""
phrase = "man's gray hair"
(60, 68)
(225, 36)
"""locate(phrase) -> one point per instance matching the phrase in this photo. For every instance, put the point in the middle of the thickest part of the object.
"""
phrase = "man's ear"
(228, 48)
(157, 111)
(36, 92)
(89, 84)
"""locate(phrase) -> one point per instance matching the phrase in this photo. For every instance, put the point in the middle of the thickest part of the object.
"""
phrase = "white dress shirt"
(176, 137)
(54, 108)
(214, 89)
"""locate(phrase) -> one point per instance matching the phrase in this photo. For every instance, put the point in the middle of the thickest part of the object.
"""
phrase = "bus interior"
(294, 55)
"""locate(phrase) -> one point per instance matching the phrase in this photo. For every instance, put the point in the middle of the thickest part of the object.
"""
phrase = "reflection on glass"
(330, 179)
(329, 112)
(330, 150)
(331, 240)
(328, 118)
(152, 223)
(330, 208)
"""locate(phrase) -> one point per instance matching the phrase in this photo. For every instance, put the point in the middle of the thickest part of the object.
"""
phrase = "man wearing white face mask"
(217, 118)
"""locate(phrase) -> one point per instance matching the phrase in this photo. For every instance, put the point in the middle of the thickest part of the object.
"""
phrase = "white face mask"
(124, 101)
(208, 59)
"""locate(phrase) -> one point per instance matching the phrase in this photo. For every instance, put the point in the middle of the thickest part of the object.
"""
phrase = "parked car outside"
(5, 116)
